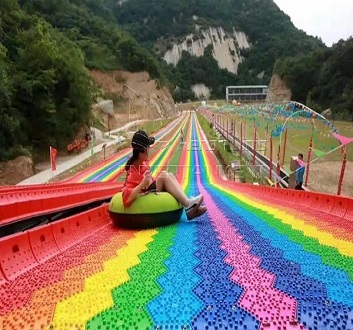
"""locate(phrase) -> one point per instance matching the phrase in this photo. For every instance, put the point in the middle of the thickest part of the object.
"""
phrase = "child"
(139, 179)
(299, 177)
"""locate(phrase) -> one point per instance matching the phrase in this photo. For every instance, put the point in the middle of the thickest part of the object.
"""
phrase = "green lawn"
(299, 133)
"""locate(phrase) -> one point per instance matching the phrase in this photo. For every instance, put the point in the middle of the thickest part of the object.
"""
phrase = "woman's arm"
(143, 184)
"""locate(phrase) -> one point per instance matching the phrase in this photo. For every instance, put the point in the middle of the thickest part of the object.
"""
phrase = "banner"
(343, 139)
(301, 163)
(53, 153)
(318, 153)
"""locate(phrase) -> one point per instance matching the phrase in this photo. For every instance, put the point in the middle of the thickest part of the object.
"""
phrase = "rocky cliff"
(278, 91)
(226, 47)
(136, 96)
(16, 170)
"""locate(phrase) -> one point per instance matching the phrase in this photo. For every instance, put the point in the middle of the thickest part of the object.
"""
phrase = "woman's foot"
(194, 202)
(199, 211)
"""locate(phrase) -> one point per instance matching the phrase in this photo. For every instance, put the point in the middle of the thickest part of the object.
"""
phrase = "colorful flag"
(53, 153)
(343, 139)
(318, 153)
(301, 163)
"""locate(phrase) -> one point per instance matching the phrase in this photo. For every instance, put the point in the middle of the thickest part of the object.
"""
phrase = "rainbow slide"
(260, 258)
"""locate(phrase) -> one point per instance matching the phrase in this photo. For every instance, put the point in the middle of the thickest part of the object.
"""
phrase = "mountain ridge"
(164, 26)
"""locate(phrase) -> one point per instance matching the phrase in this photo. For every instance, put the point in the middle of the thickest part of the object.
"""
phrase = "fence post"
(308, 161)
(234, 130)
(271, 160)
(343, 169)
(241, 139)
(254, 146)
(278, 166)
(284, 147)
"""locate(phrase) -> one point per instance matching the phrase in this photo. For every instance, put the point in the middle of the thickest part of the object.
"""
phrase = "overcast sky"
(331, 20)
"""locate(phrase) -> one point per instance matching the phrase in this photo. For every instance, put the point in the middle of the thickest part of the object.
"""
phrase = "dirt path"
(324, 177)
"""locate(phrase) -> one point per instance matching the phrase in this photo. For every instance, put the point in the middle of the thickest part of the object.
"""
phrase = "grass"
(299, 132)
(153, 126)
(174, 161)
(225, 155)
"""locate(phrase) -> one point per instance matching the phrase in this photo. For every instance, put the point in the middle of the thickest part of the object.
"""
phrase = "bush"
(19, 150)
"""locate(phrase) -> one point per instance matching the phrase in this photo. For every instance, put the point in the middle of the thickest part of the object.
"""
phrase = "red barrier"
(349, 213)
(2, 279)
(23, 251)
(297, 198)
(89, 222)
(79, 226)
(14, 207)
(24, 204)
(100, 217)
(327, 203)
(41, 187)
(306, 199)
(16, 255)
(63, 235)
(43, 243)
(339, 208)
(36, 202)
(49, 199)
(321, 202)
(8, 208)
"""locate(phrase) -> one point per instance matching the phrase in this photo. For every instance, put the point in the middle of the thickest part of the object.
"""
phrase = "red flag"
(53, 153)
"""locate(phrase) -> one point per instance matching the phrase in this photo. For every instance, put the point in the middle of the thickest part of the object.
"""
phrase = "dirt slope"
(135, 96)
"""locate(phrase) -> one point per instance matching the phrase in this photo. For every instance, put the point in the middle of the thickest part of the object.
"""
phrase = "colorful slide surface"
(260, 258)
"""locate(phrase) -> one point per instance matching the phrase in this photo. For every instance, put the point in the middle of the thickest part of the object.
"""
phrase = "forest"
(47, 48)
(45, 89)
(322, 79)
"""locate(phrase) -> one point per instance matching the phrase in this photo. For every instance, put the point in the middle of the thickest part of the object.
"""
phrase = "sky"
(331, 20)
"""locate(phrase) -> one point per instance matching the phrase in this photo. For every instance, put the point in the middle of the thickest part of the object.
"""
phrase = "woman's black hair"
(135, 155)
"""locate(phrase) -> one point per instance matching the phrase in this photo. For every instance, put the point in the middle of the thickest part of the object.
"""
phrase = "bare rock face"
(201, 91)
(137, 97)
(16, 170)
(227, 47)
(327, 113)
(278, 90)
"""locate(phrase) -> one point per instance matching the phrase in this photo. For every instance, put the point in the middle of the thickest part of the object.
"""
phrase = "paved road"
(46, 175)
(115, 137)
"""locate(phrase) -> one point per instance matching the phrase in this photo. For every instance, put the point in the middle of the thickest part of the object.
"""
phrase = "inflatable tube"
(146, 211)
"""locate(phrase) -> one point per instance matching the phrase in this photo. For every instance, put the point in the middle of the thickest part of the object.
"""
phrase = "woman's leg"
(168, 182)
(177, 185)
(165, 182)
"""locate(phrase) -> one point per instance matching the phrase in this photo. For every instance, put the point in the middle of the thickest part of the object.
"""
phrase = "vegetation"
(90, 25)
(322, 79)
(225, 154)
(192, 70)
(46, 47)
(270, 32)
(45, 90)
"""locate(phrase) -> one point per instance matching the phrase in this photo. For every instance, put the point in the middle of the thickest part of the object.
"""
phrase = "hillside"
(211, 43)
(46, 92)
(142, 99)
(322, 79)
(49, 49)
